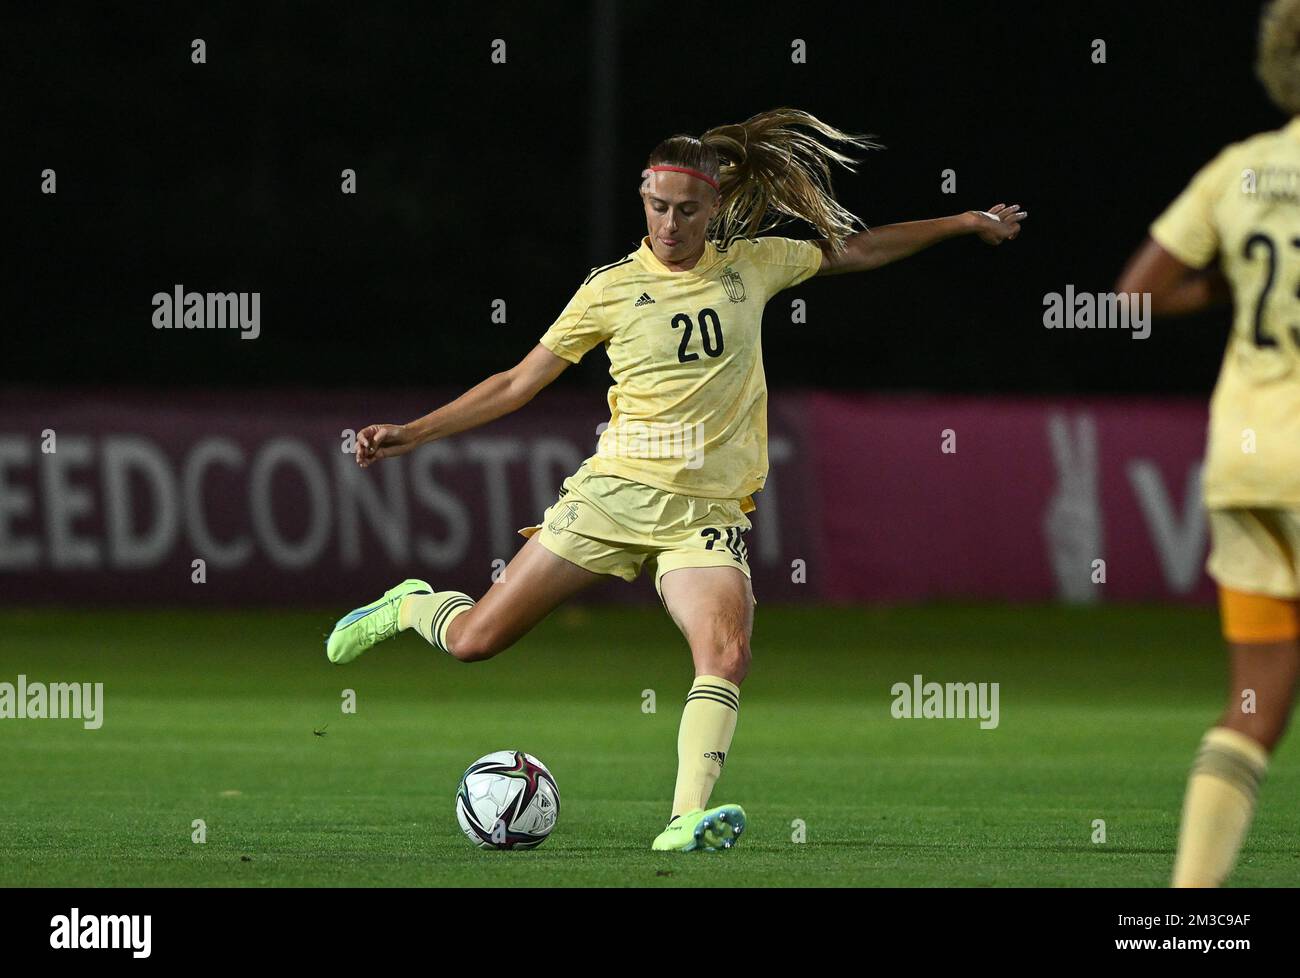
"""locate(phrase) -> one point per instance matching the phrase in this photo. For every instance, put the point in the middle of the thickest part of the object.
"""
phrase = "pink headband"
(693, 173)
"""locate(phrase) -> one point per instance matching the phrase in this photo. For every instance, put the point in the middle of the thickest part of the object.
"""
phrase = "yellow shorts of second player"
(610, 525)
(1255, 559)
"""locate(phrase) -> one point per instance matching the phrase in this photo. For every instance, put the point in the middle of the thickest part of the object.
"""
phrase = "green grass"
(212, 716)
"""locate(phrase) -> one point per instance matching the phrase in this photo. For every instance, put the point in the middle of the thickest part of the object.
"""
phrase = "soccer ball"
(507, 800)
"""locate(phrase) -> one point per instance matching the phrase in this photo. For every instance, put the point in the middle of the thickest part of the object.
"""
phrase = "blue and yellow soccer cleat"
(701, 831)
(366, 627)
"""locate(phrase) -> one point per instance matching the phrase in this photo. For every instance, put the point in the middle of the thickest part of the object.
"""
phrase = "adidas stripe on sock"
(432, 614)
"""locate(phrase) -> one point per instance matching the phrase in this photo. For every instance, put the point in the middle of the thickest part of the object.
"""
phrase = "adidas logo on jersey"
(645, 300)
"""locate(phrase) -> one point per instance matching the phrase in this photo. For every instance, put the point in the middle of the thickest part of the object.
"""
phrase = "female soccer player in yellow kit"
(686, 447)
(1243, 209)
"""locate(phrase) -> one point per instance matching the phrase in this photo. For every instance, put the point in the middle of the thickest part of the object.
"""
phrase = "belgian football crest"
(734, 284)
(564, 518)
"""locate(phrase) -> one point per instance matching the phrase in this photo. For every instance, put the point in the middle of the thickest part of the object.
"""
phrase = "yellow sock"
(708, 722)
(432, 614)
(1219, 806)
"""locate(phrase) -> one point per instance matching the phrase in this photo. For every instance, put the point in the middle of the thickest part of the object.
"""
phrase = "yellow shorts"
(611, 525)
(1256, 551)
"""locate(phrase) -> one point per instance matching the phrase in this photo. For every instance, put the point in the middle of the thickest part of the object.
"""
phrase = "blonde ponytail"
(769, 172)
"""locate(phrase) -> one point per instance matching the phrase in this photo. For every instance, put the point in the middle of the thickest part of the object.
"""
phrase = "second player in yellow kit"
(1237, 227)
(673, 478)
(1243, 211)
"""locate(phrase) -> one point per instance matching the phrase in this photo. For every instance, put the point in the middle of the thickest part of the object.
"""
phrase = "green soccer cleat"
(701, 831)
(365, 627)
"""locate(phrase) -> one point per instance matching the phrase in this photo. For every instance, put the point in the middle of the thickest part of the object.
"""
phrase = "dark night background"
(480, 181)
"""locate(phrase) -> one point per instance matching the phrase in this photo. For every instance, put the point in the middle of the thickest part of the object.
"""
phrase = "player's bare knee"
(737, 664)
(727, 659)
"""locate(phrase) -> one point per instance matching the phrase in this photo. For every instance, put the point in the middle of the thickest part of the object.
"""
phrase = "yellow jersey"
(1244, 208)
(688, 406)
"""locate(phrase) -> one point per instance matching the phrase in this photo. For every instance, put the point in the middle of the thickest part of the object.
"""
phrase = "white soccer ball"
(507, 800)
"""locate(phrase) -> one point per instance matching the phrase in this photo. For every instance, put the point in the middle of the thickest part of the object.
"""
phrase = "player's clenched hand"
(378, 441)
(999, 223)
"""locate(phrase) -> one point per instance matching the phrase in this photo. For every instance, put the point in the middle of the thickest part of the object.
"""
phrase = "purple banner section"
(967, 498)
(112, 498)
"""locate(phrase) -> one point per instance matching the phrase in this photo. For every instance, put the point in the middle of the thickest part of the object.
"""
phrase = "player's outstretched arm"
(890, 242)
(1176, 289)
(495, 397)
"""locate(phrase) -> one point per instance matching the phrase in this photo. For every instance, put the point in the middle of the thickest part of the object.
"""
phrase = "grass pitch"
(217, 716)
